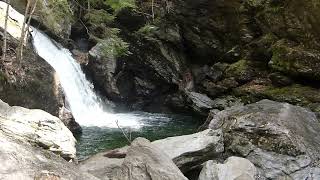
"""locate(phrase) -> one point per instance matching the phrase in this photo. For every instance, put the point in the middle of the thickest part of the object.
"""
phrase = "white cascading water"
(86, 107)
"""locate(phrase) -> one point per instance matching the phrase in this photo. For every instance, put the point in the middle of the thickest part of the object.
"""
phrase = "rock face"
(19, 160)
(215, 48)
(190, 151)
(54, 16)
(145, 161)
(234, 168)
(37, 127)
(104, 70)
(279, 138)
(15, 20)
(29, 83)
(296, 61)
(68, 120)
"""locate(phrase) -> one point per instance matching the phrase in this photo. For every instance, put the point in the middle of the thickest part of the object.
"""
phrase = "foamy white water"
(86, 107)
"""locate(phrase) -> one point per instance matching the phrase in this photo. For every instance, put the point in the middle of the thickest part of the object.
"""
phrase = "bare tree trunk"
(4, 50)
(23, 32)
(30, 15)
(152, 9)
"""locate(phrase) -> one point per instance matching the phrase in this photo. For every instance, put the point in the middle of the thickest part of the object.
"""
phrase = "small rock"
(234, 168)
(144, 161)
(280, 80)
(199, 102)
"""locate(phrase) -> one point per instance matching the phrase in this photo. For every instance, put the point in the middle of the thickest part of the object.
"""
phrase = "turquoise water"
(154, 126)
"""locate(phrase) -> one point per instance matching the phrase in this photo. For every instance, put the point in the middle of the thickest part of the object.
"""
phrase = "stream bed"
(152, 126)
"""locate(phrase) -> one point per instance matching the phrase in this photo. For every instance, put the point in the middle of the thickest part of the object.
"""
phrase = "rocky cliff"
(247, 49)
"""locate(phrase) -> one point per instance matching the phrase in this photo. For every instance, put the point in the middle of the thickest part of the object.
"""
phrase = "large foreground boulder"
(38, 127)
(189, 151)
(21, 161)
(145, 161)
(280, 139)
(102, 165)
(234, 168)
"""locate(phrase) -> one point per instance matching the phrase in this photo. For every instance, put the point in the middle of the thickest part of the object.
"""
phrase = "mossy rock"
(296, 94)
(56, 16)
(244, 70)
(295, 60)
(295, 20)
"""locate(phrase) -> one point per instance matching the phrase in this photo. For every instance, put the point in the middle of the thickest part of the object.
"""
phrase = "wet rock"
(244, 70)
(211, 114)
(144, 161)
(81, 57)
(234, 168)
(271, 135)
(68, 120)
(103, 69)
(38, 127)
(190, 151)
(296, 94)
(276, 166)
(200, 103)
(221, 87)
(20, 160)
(225, 102)
(280, 80)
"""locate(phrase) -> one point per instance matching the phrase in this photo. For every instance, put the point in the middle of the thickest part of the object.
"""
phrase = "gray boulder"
(190, 151)
(103, 68)
(234, 168)
(21, 161)
(200, 103)
(39, 127)
(279, 138)
(102, 165)
(144, 161)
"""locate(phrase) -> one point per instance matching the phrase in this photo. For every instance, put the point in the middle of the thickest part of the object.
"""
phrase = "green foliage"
(60, 8)
(3, 77)
(54, 13)
(111, 44)
(115, 47)
(148, 29)
(60, 5)
(99, 16)
(117, 5)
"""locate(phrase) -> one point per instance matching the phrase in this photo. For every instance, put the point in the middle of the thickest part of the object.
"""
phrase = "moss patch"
(296, 94)
(295, 60)
(56, 15)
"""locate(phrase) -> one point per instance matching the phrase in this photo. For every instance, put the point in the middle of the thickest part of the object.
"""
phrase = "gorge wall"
(231, 50)
(226, 52)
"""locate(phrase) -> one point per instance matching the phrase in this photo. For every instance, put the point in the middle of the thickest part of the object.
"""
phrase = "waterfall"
(87, 108)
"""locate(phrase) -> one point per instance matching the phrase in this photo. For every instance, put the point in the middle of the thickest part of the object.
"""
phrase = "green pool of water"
(153, 127)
